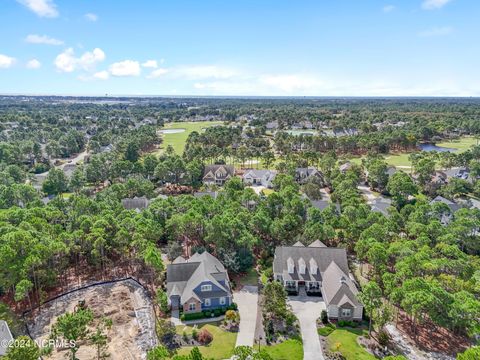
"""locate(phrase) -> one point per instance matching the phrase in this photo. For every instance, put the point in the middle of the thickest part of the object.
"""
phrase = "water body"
(432, 147)
(172, 131)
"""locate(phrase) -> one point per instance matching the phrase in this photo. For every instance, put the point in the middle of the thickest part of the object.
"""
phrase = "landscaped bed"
(221, 347)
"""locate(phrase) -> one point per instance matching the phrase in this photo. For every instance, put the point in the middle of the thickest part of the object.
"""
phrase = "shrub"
(195, 333)
(217, 312)
(231, 315)
(326, 330)
(324, 317)
(205, 337)
(233, 306)
(192, 316)
(207, 313)
(383, 338)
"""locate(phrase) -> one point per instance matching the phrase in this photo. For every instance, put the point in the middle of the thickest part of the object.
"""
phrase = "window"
(207, 302)
(346, 312)
(222, 301)
(206, 288)
(191, 306)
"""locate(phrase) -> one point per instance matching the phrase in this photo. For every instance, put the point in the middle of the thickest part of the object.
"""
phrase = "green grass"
(463, 144)
(326, 330)
(221, 347)
(250, 278)
(291, 349)
(178, 140)
(344, 340)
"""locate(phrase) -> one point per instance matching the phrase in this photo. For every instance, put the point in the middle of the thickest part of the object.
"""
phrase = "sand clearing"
(125, 303)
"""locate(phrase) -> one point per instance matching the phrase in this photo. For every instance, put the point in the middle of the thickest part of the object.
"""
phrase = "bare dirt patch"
(125, 303)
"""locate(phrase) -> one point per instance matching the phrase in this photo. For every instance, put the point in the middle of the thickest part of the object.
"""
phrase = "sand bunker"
(125, 303)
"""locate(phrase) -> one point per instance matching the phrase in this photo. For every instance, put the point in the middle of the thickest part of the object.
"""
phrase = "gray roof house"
(136, 203)
(447, 216)
(303, 175)
(321, 271)
(259, 177)
(198, 283)
(217, 174)
(5, 337)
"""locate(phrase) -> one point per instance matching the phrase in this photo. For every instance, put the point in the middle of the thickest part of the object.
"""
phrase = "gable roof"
(183, 276)
(5, 337)
(337, 286)
(215, 171)
(451, 204)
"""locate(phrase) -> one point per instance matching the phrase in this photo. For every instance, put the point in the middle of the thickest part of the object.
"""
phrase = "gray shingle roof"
(184, 277)
(5, 337)
(337, 287)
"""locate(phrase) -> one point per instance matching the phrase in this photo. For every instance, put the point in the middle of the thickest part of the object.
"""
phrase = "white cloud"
(43, 8)
(33, 64)
(101, 75)
(150, 64)
(195, 72)
(125, 68)
(388, 8)
(67, 62)
(42, 39)
(6, 61)
(434, 4)
(436, 31)
(91, 17)
(157, 73)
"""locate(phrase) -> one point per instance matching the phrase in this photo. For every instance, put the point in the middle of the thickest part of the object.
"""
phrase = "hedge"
(207, 313)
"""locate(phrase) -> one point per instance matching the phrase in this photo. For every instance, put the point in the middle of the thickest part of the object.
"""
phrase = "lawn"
(178, 140)
(463, 144)
(221, 347)
(344, 340)
(249, 278)
(288, 350)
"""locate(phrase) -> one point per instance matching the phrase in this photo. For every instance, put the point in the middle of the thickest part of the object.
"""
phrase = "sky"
(240, 47)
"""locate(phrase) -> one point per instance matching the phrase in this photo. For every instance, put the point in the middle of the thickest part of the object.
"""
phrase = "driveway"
(247, 301)
(308, 309)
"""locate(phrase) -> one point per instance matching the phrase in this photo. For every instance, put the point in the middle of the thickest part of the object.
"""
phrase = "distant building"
(5, 337)
(345, 167)
(137, 203)
(321, 271)
(68, 170)
(197, 284)
(259, 177)
(446, 216)
(217, 174)
(303, 175)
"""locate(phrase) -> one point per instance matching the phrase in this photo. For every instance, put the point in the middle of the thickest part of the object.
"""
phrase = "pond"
(433, 147)
(172, 131)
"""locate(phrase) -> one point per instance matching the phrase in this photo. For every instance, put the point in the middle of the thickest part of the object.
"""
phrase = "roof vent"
(343, 280)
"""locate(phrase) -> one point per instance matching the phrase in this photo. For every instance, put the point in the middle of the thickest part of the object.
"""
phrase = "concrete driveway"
(308, 309)
(247, 301)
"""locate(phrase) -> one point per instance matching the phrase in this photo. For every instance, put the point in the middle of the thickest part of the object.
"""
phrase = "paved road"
(247, 301)
(308, 309)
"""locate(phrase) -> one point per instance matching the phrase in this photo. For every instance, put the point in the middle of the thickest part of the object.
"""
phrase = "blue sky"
(242, 47)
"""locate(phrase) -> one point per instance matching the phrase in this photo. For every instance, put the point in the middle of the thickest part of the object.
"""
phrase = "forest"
(422, 268)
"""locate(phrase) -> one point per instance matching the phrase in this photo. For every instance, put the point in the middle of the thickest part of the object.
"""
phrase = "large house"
(198, 283)
(5, 337)
(217, 174)
(303, 175)
(259, 177)
(321, 271)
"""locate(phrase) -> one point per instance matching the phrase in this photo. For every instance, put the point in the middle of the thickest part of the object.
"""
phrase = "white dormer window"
(206, 288)
(207, 302)
(313, 266)
(302, 267)
(290, 265)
